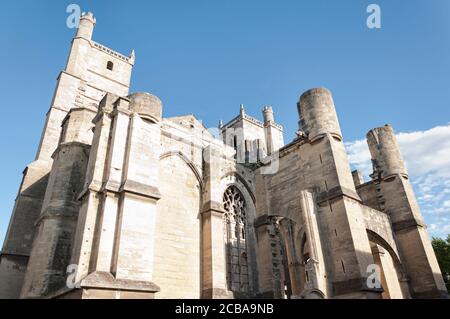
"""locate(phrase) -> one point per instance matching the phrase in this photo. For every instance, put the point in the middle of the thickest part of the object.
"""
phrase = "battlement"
(246, 117)
(113, 53)
(85, 31)
(253, 120)
(250, 119)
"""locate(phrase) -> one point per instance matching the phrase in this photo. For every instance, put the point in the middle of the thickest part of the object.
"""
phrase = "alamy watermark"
(72, 277)
(374, 278)
(374, 19)
(73, 19)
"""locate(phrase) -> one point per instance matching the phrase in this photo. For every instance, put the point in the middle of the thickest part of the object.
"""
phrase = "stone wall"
(177, 231)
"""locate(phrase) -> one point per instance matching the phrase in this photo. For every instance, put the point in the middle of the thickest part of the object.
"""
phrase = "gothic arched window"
(235, 220)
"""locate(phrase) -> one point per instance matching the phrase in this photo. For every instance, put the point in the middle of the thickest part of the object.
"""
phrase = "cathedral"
(121, 202)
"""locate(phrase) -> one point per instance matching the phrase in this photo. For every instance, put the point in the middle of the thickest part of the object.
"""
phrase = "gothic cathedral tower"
(92, 70)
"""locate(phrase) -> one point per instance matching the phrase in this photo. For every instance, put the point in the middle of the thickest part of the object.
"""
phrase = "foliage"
(442, 249)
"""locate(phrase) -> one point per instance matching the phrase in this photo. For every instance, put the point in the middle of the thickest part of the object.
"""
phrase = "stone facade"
(123, 203)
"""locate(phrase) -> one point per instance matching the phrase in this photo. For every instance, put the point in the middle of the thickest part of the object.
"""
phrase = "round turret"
(146, 105)
(318, 114)
(86, 25)
(385, 152)
(268, 114)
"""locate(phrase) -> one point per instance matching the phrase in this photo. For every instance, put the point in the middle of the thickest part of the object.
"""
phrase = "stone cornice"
(406, 224)
(212, 206)
(353, 285)
(70, 144)
(105, 280)
(337, 192)
(140, 189)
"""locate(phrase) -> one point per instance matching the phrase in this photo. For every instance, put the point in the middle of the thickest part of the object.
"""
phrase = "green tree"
(442, 249)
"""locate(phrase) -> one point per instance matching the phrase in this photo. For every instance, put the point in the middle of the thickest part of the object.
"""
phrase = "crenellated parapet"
(101, 47)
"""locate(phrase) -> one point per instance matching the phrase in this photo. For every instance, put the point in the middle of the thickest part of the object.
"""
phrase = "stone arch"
(312, 294)
(177, 258)
(378, 239)
(393, 274)
(242, 180)
(188, 163)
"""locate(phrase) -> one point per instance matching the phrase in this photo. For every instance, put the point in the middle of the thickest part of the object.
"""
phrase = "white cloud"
(427, 157)
(427, 151)
(439, 228)
(359, 156)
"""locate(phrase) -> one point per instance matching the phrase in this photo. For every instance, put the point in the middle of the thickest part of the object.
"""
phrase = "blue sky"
(207, 57)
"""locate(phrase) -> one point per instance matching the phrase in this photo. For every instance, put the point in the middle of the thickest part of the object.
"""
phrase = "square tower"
(92, 70)
(251, 138)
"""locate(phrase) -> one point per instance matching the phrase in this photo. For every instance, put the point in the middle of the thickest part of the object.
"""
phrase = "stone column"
(213, 245)
(309, 218)
(294, 264)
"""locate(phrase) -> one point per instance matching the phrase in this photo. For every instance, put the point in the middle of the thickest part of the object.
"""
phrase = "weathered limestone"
(213, 253)
(318, 114)
(317, 261)
(294, 268)
(19, 237)
(273, 131)
(339, 211)
(270, 260)
(177, 230)
(123, 203)
(56, 224)
(397, 199)
(389, 278)
(357, 178)
(115, 239)
(83, 82)
(251, 138)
